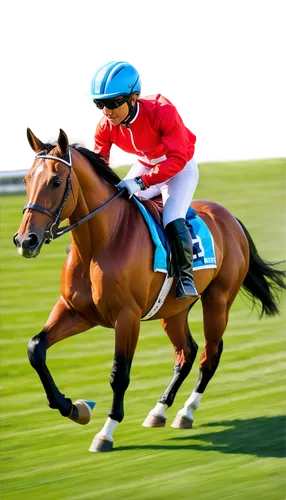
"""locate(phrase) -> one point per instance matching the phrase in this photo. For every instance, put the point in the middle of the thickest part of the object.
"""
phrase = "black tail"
(263, 281)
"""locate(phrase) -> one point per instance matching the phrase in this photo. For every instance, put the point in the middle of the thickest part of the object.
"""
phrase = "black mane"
(99, 164)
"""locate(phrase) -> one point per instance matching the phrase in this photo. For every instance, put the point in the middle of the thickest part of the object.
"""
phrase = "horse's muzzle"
(28, 245)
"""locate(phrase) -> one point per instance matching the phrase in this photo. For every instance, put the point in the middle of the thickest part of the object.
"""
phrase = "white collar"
(137, 113)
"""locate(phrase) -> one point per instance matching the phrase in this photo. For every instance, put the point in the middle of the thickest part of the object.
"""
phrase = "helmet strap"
(132, 112)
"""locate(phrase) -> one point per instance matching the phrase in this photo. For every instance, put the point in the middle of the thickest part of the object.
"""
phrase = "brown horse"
(108, 278)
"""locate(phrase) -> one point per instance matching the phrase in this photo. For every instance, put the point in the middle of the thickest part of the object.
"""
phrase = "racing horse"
(111, 253)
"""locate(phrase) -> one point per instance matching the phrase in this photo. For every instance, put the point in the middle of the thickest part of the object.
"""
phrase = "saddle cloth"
(203, 244)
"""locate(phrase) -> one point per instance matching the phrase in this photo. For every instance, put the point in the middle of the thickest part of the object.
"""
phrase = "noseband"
(53, 233)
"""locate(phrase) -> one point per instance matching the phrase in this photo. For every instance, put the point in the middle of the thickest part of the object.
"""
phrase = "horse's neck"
(92, 236)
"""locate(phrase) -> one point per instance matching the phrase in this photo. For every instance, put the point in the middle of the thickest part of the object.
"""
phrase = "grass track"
(236, 449)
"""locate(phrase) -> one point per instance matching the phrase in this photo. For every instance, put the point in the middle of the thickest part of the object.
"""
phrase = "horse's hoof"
(181, 422)
(81, 412)
(154, 421)
(99, 444)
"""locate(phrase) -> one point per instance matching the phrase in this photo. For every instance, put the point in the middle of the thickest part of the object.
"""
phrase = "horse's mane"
(98, 163)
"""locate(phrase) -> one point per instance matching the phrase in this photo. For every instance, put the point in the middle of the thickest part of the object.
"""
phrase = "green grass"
(236, 449)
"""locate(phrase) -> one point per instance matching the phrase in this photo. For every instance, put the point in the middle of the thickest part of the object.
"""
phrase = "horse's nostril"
(33, 240)
(30, 242)
(15, 240)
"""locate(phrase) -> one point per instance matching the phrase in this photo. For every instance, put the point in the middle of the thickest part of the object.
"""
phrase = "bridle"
(53, 233)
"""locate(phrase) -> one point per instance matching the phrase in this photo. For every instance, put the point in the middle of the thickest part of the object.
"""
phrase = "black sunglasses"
(110, 103)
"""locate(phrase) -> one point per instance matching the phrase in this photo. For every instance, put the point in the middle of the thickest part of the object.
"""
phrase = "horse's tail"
(263, 281)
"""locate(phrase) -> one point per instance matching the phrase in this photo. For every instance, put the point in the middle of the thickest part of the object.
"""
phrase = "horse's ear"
(34, 142)
(63, 142)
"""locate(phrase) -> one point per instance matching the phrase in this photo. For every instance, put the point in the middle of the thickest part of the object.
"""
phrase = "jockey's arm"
(172, 132)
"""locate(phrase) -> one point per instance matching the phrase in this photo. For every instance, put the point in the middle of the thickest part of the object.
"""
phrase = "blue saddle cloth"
(203, 245)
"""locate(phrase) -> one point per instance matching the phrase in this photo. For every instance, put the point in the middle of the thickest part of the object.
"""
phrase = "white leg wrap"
(107, 430)
(191, 405)
(159, 410)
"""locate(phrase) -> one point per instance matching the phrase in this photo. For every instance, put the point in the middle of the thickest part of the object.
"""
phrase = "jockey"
(152, 129)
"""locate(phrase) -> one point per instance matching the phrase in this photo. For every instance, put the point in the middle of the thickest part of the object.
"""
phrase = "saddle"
(203, 245)
(155, 207)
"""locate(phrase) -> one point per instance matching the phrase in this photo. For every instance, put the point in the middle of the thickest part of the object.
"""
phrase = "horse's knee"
(193, 346)
(37, 350)
(186, 353)
(209, 363)
(211, 355)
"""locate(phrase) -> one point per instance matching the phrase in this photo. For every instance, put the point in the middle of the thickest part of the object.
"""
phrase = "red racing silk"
(156, 135)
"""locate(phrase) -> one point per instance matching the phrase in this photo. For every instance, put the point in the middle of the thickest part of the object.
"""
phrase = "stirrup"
(185, 290)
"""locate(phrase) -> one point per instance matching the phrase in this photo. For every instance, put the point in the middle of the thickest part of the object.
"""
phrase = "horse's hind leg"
(216, 305)
(185, 347)
(61, 324)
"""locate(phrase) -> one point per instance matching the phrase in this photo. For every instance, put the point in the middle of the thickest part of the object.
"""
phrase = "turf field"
(236, 449)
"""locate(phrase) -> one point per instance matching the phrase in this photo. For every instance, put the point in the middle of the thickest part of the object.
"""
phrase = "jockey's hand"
(131, 185)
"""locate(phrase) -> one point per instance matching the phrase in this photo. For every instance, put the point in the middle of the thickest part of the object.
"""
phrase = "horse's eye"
(56, 183)
(24, 181)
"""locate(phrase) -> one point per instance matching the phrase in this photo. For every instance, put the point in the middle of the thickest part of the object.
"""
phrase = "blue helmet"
(114, 79)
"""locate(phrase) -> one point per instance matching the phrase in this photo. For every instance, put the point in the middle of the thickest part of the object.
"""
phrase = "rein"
(53, 232)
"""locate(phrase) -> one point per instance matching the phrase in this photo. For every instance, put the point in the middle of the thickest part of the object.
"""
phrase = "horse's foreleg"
(215, 312)
(62, 323)
(185, 347)
(126, 335)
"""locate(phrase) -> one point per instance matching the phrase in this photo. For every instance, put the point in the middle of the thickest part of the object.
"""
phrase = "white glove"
(131, 185)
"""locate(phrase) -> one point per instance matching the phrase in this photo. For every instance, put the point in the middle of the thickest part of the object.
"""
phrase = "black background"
(235, 109)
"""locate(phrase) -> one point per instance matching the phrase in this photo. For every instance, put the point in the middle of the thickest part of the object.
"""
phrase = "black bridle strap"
(39, 208)
(67, 229)
(49, 234)
(45, 210)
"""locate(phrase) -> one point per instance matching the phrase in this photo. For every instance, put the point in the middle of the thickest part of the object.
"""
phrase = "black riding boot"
(182, 251)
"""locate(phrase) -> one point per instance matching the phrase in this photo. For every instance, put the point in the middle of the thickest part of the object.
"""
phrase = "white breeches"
(177, 192)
